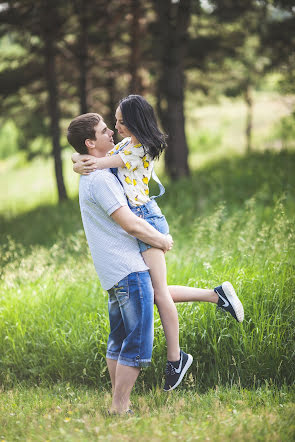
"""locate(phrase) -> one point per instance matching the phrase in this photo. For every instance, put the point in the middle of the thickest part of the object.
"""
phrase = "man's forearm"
(142, 230)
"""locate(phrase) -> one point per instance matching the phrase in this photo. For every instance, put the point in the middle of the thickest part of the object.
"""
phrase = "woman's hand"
(168, 243)
(75, 157)
(85, 165)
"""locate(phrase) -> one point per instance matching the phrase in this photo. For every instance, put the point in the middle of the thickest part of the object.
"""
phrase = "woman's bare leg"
(181, 293)
(155, 260)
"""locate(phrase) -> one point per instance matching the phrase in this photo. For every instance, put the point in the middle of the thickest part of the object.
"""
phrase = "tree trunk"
(112, 104)
(249, 118)
(53, 108)
(83, 56)
(173, 21)
(177, 152)
(112, 99)
(83, 71)
(135, 86)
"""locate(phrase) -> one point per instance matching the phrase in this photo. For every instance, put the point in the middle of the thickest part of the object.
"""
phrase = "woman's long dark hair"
(139, 117)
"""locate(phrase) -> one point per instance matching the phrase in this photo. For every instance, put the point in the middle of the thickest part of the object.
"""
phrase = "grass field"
(64, 413)
(232, 219)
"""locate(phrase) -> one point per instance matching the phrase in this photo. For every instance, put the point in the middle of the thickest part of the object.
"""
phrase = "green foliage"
(8, 140)
(15, 138)
(232, 220)
(204, 141)
(33, 135)
(284, 131)
(11, 51)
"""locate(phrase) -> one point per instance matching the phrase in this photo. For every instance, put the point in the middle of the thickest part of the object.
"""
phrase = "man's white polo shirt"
(115, 253)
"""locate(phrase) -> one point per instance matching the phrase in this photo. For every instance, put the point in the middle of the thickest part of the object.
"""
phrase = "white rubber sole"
(185, 368)
(234, 300)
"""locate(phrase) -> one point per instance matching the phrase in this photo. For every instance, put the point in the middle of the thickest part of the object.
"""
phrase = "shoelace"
(170, 370)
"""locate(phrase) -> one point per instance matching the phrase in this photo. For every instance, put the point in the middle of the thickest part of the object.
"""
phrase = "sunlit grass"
(65, 412)
(223, 126)
(27, 185)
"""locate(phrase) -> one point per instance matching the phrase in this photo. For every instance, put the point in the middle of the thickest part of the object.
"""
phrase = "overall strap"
(161, 187)
(114, 171)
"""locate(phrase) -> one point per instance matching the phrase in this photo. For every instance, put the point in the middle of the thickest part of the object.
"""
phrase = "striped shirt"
(115, 253)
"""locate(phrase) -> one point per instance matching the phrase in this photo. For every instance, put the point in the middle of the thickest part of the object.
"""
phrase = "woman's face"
(121, 128)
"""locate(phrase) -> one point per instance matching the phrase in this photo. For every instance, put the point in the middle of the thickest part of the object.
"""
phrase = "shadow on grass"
(43, 225)
(265, 175)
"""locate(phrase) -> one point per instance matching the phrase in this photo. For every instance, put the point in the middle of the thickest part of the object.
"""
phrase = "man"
(111, 228)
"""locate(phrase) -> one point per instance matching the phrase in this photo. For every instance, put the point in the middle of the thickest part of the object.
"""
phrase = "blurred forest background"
(60, 59)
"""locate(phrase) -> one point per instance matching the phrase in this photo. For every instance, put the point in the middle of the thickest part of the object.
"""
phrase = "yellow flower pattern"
(145, 180)
(146, 163)
(136, 174)
(127, 179)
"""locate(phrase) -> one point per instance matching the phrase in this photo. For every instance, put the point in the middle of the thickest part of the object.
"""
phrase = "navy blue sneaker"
(229, 301)
(176, 370)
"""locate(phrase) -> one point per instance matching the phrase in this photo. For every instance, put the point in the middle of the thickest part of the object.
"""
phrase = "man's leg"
(132, 300)
(116, 338)
(112, 366)
(125, 378)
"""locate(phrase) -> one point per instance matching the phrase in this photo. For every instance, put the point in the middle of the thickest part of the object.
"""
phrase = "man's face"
(104, 140)
(121, 128)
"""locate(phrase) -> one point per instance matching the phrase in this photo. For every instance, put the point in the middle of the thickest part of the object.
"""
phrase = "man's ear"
(90, 144)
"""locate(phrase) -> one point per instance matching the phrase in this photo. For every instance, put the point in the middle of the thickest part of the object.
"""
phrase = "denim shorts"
(151, 212)
(131, 314)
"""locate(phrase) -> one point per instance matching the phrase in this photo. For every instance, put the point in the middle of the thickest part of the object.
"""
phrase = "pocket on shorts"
(121, 291)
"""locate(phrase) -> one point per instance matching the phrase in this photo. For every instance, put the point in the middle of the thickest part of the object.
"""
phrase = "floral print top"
(137, 172)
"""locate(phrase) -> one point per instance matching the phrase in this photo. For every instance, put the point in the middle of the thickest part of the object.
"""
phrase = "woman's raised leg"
(181, 293)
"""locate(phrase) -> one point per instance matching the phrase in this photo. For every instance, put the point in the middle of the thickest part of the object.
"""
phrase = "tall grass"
(232, 220)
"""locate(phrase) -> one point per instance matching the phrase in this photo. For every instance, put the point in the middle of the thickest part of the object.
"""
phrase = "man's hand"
(169, 243)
